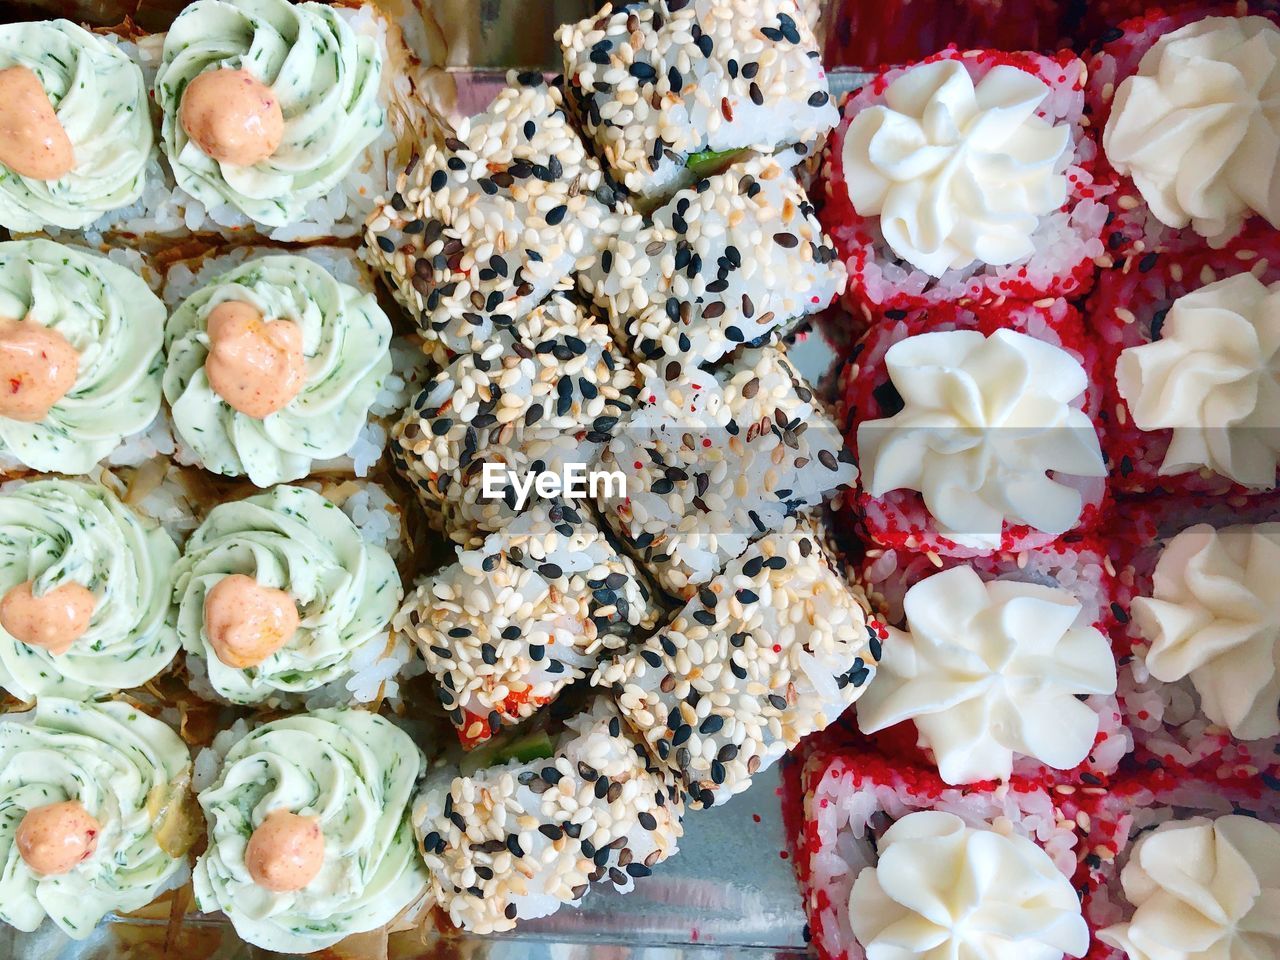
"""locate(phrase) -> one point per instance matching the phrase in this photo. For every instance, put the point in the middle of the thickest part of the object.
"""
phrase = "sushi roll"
(309, 838)
(77, 126)
(713, 462)
(965, 179)
(738, 259)
(274, 365)
(870, 822)
(279, 595)
(95, 813)
(670, 90)
(184, 277)
(85, 587)
(533, 824)
(479, 433)
(1186, 129)
(277, 120)
(80, 348)
(1189, 343)
(1190, 851)
(773, 649)
(989, 675)
(481, 230)
(1198, 632)
(976, 432)
(510, 625)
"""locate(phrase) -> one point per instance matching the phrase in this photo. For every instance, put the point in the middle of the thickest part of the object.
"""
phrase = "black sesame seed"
(551, 831)
(556, 214)
(438, 181)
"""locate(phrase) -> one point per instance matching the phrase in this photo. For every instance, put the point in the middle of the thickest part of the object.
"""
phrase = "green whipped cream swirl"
(355, 772)
(54, 532)
(346, 339)
(295, 540)
(116, 325)
(126, 769)
(324, 75)
(100, 98)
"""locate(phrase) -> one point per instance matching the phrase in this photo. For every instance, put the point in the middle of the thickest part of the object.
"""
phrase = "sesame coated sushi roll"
(95, 814)
(77, 126)
(965, 178)
(1187, 128)
(976, 432)
(713, 462)
(509, 625)
(670, 90)
(738, 259)
(85, 587)
(273, 365)
(1190, 341)
(480, 230)
(773, 649)
(991, 675)
(1199, 633)
(509, 411)
(279, 595)
(80, 351)
(309, 838)
(280, 120)
(547, 818)
(874, 829)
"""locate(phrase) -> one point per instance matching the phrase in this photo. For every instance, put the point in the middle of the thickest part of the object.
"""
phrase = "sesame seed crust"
(518, 840)
(656, 81)
(772, 650)
(734, 261)
(714, 461)
(509, 625)
(550, 398)
(482, 228)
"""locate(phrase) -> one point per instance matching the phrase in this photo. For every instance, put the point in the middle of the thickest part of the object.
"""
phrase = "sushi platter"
(569, 478)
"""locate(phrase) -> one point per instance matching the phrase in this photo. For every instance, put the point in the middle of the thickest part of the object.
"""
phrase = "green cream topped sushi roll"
(92, 813)
(77, 125)
(85, 586)
(266, 104)
(80, 340)
(273, 365)
(309, 841)
(278, 594)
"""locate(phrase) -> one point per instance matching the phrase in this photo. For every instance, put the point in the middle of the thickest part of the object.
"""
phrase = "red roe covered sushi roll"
(1185, 106)
(998, 665)
(965, 178)
(871, 822)
(1198, 639)
(1182, 868)
(976, 432)
(1191, 360)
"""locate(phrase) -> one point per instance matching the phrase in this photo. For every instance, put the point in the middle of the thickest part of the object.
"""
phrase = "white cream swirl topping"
(1213, 378)
(54, 533)
(942, 890)
(958, 173)
(114, 323)
(296, 541)
(351, 772)
(1202, 890)
(1215, 616)
(323, 75)
(128, 772)
(989, 672)
(345, 339)
(985, 421)
(100, 101)
(1198, 126)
